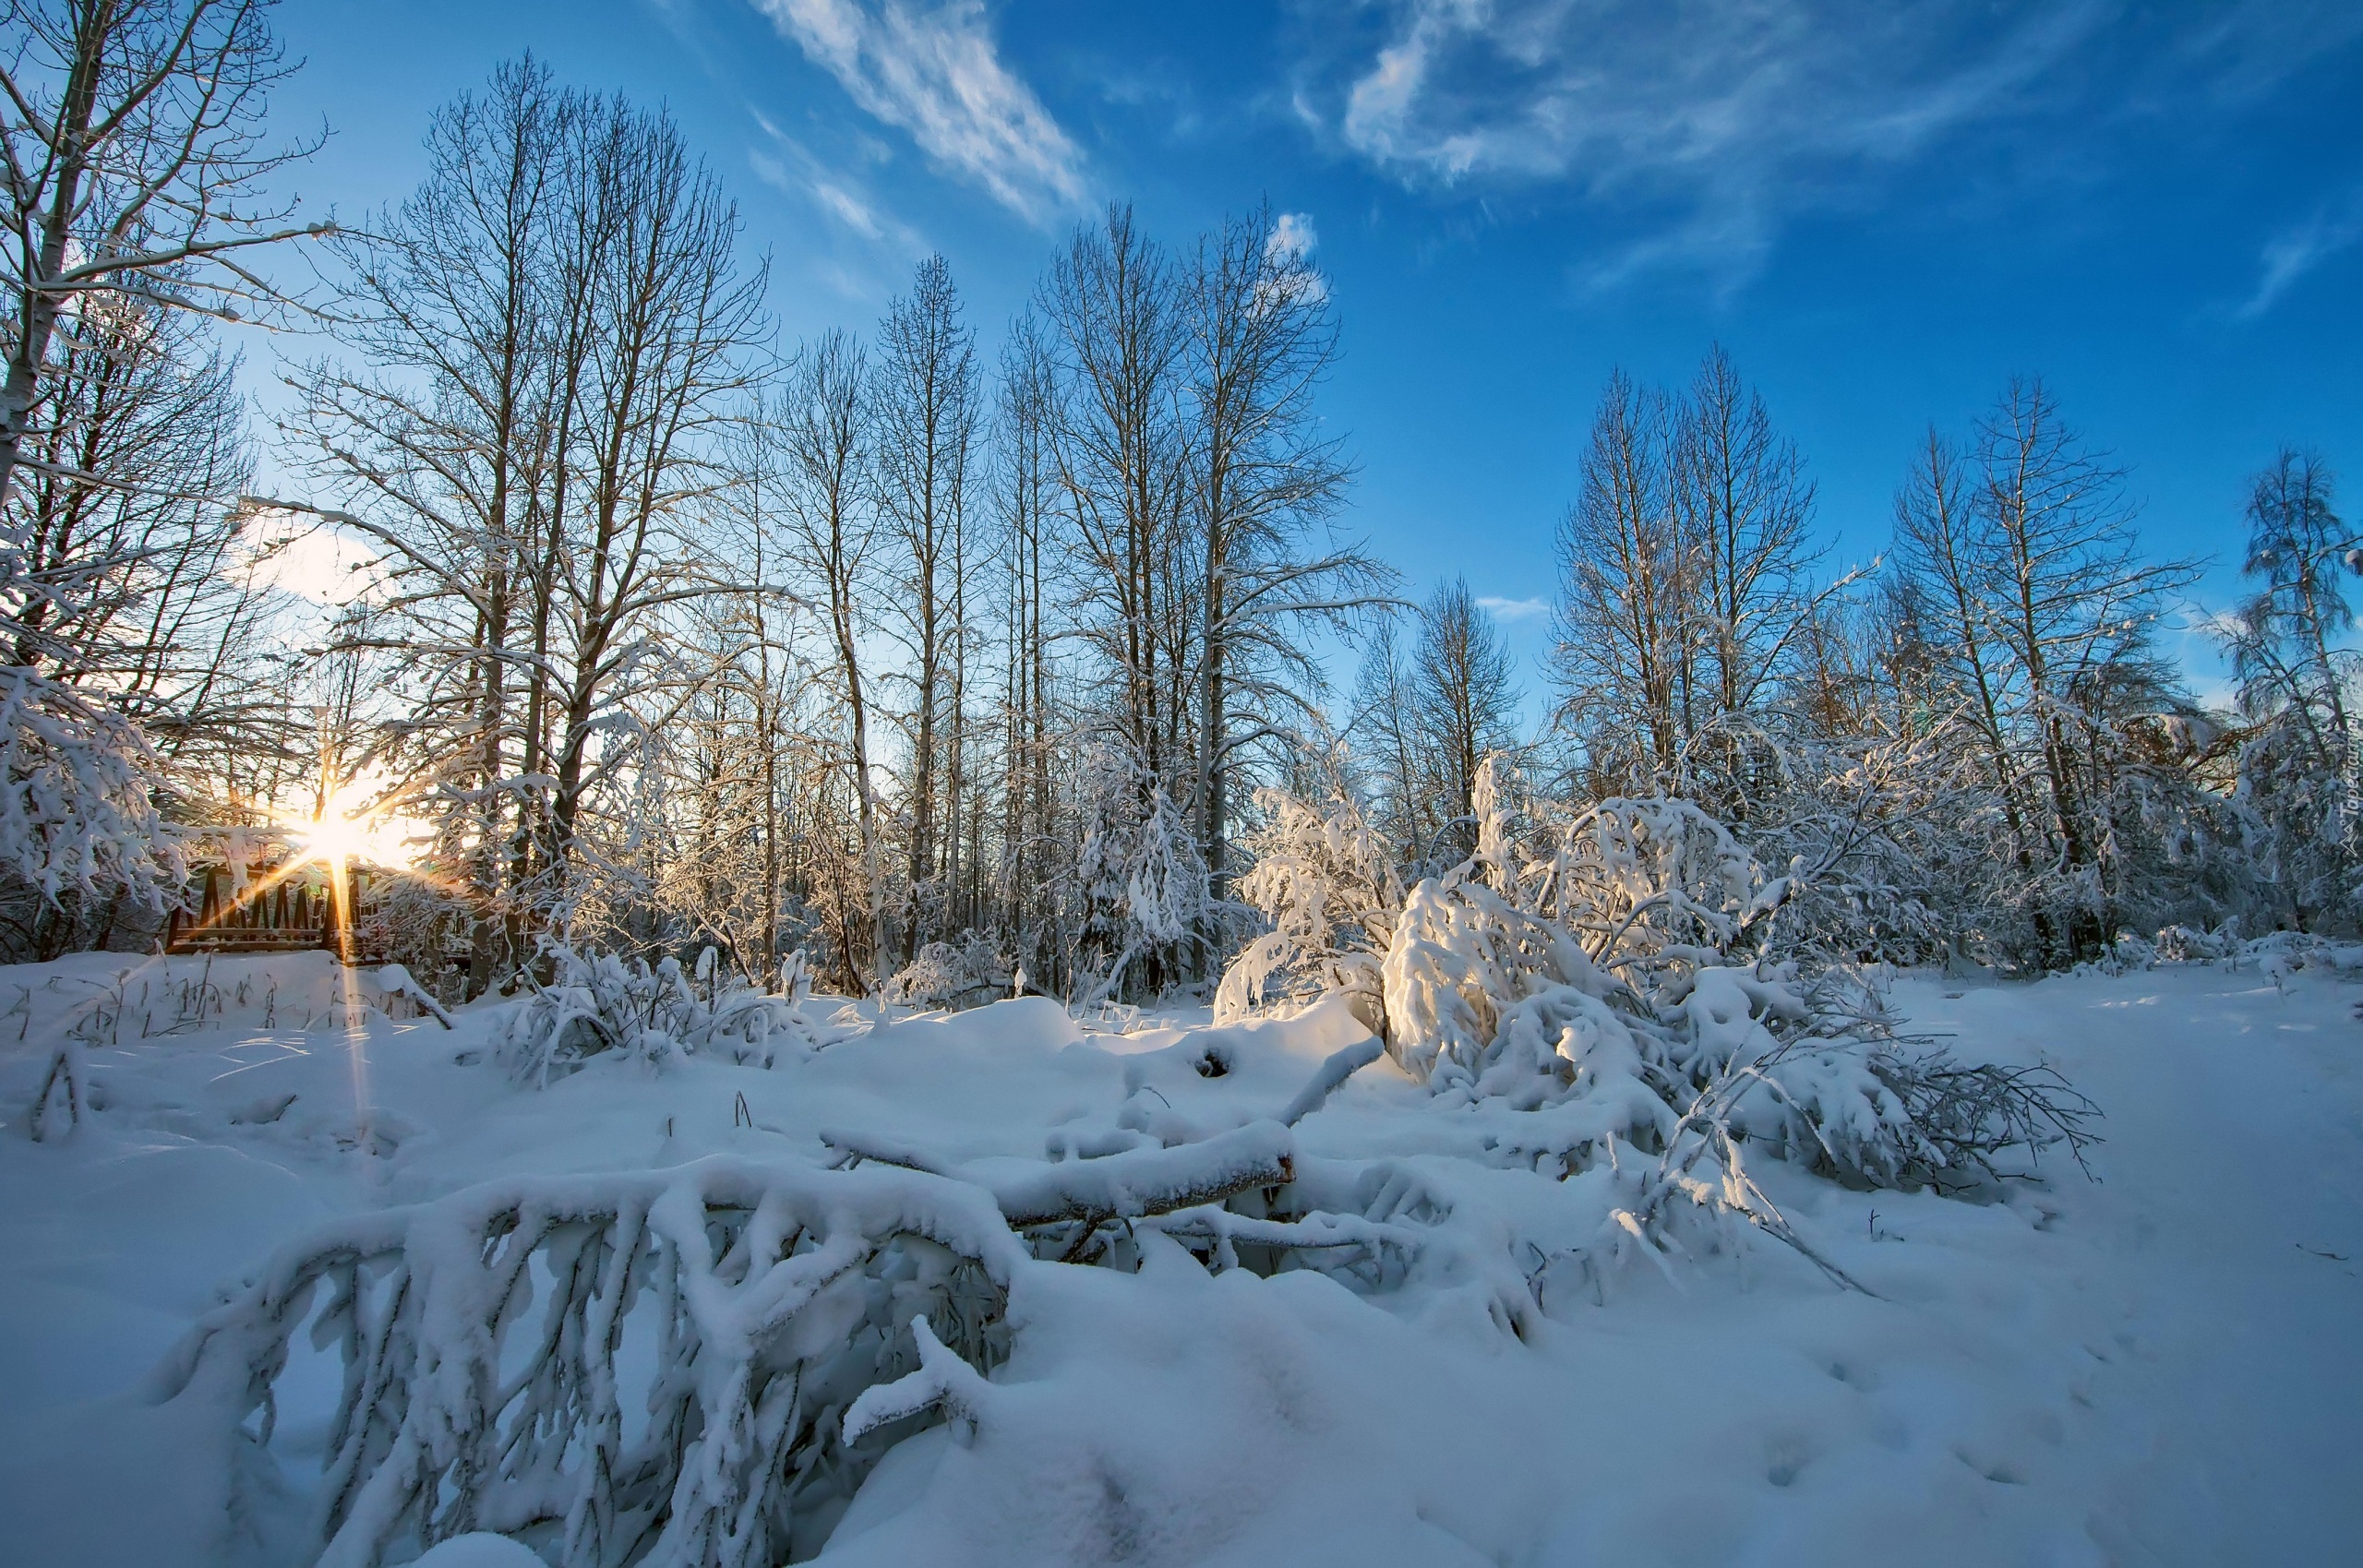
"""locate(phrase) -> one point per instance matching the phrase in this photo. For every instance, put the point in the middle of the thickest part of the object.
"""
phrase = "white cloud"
(932, 69)
(1292, 236)
(1712, 122)
(1513, 609)
(2293, 253)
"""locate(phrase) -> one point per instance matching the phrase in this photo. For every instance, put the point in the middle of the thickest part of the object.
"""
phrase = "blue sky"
(1883, 211)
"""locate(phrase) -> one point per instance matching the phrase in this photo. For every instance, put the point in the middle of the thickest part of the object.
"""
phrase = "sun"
(335, 838)
(349, 829)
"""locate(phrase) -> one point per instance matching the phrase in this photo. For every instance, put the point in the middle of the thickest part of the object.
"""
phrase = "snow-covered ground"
(2158, 1366)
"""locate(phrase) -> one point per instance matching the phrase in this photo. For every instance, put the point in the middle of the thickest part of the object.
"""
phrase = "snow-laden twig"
(849, 1149)
(943, 1382)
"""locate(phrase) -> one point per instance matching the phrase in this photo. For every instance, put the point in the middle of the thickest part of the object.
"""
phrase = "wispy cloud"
(1513, 609)
(1724, 116)
(1711, 123)
(2291, 254)
(934, 70)
(788, 165)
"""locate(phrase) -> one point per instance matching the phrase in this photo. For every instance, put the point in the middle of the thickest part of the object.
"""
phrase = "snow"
(478, 1549)
(2158, 1366)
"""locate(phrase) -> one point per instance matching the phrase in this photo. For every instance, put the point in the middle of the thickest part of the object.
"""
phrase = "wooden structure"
(280, 910)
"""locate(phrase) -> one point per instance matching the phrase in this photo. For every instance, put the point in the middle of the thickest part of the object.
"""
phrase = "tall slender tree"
(927, 404)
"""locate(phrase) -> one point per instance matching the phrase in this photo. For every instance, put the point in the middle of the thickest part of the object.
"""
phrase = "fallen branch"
(1341, 1065)
(1149, 1182)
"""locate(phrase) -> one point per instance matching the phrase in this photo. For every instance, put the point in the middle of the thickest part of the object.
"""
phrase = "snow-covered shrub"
(1592, 985)
(78, 786)
(410, 920)
(1974, 1117)
(2130, 954)
(493, 1341)
(1857, 829)
(598, 1002)
(943, 975)
(1241, 1198)
(1327, 882)
(1142, 881)
(2180, 944)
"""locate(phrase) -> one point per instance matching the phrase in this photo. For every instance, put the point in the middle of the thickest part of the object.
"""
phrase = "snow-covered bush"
(1974, 1117)
(1594, 986)
(694, 1368)
(1859, 829)
(2278, 952)
(77, 794)
(947, 977)
(597, 1003)
(1327, 882)
(493, 1341)
(2180, 944)
(411, 920)
(1142, 880)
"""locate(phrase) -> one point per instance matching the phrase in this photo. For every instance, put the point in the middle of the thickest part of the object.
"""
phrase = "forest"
(943, 651)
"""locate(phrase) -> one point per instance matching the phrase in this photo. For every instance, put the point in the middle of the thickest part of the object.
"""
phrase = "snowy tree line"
(858, 646)
(922, 659)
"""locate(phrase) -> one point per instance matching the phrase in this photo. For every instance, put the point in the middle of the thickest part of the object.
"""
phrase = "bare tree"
(449, 437)
(131, 615)
(671, 315)
(135, 165)
(824, 433)
(1384, 724)
(2023, 560)
(2288, 655)
(1267, 479)
(927, 411)
(1464, 698)
(2299, 761)
(556, 326)
(1746, 509)
(132, 591)
(1622, 655)
(1112, 299)
(1026, 486)
(1940, 591)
